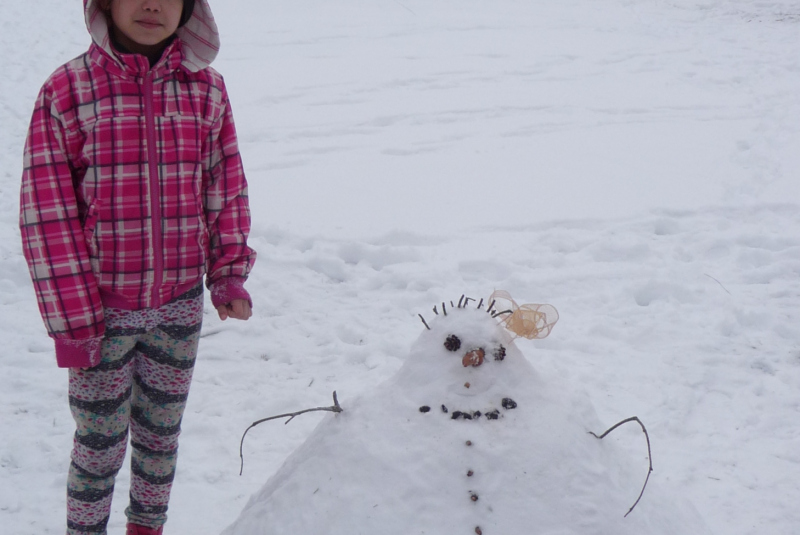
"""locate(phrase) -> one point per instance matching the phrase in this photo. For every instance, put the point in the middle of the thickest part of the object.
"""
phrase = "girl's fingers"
(238, 309)
(242, 309)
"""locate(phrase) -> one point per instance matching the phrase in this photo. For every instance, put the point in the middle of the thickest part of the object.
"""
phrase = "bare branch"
(291, 415)
(424, 322)
(720, 284)
(649, 454)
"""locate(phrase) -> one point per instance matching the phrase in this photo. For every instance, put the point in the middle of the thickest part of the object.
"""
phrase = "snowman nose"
(474, 358)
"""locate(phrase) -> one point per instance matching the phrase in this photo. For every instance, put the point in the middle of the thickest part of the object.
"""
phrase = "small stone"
(478, 530)
(424, 408)
(509, 403)
(444, 409)
(476, 414)
(467, 385)
(469, 443)
(466, 415)
(470, 473)
(474, 497)
(493, 415)
(500, 353)
(456, 415)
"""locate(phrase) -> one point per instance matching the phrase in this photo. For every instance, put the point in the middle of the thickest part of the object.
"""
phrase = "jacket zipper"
(155, 192)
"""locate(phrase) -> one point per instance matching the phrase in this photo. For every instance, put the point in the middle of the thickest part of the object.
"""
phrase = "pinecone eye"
(452, 343)
(499, 353)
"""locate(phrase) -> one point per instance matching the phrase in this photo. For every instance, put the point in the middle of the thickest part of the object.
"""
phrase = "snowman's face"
(474, 356)
(466, 353)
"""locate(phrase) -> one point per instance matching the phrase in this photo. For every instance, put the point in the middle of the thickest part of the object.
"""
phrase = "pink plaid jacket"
(132, 190)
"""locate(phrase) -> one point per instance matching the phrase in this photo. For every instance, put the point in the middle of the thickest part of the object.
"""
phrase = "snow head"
(468, 349)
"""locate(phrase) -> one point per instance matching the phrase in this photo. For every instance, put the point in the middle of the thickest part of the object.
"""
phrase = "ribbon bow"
(528, 321)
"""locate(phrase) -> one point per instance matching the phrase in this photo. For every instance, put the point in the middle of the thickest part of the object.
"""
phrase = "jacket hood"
(199, 36)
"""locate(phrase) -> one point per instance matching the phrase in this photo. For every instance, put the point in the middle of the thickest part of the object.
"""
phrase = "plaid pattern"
(132, 189)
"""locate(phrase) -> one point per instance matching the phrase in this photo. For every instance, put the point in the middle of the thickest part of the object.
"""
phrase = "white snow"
(634, 163)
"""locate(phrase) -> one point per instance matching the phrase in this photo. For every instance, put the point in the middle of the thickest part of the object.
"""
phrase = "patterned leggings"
(141, 384)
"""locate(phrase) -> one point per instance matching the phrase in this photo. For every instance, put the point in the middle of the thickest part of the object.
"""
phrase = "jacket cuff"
(227, 289)
(78, 353)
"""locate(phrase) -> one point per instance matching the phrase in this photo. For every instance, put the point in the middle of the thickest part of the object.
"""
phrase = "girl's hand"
(238, 309)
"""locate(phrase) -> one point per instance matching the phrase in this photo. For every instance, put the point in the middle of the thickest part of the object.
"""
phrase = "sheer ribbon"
(531, 321)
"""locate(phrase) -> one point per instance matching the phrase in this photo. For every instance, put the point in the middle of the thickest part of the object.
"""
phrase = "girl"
(132, 190)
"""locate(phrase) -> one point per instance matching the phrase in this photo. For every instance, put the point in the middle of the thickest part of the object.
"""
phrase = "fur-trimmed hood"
(199, 36)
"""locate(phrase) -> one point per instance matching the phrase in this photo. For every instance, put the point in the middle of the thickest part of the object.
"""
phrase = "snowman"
(466, 438)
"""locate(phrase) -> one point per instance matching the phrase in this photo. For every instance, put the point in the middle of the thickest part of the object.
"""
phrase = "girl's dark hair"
(188, 9)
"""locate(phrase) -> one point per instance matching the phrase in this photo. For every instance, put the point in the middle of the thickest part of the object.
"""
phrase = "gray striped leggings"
(141, 384)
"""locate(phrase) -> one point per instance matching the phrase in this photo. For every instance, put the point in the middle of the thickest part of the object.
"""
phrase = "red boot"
(135, 529)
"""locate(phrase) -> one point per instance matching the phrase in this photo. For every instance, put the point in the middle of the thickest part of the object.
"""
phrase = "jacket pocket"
(90, 234)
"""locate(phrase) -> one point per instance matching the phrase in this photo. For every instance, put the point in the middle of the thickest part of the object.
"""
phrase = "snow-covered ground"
(634, 163)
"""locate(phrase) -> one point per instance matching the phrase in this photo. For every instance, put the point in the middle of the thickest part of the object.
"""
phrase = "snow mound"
(454, 443)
